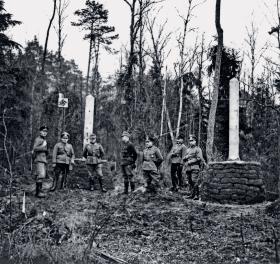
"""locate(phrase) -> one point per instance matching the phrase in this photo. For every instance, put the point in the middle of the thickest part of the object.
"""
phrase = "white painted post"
(23, 204)
(89, 117)
(234, 120)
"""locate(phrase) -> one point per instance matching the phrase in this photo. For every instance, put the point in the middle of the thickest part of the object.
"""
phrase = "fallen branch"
(109, 257)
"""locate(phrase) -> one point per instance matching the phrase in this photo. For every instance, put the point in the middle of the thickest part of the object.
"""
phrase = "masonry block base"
(233, 182)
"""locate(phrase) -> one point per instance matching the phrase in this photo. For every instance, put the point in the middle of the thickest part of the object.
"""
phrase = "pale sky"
(235, 16)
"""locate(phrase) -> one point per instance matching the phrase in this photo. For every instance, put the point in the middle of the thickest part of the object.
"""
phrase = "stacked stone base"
(79, 176)
(233, 182)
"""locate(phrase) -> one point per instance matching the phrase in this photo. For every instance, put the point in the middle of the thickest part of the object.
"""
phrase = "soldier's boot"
(192, 194)
(149, 186)
(174, 184)
(39, 192)
(91, 184)
(132, 186)
(126, 185)
(180, 181)
(196, 193)
(61, 187)
(153, 188)
(101, 186)
(54, 185)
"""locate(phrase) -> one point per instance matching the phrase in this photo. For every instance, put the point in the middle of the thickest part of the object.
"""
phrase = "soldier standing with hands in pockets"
(93, 153)
(192, 164)
(63, 157)
(176, 155)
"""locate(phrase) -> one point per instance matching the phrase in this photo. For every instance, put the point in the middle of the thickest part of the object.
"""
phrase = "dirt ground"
(79, 226)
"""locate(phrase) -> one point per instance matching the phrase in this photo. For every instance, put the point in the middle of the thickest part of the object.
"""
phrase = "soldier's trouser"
(152, 179)
(193, 178)
(128, 173)
(63, 169)
(95, 171)
(176, 174)
(41, 171)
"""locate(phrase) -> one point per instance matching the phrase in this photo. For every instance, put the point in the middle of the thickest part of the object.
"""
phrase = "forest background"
(161, 83)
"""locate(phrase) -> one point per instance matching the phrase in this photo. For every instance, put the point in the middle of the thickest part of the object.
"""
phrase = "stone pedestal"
(79, 176)
(233, 182)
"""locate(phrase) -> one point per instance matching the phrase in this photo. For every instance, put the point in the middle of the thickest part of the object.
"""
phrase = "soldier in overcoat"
(128, 159)
(176, 155)
(152, 160)
(39, 155)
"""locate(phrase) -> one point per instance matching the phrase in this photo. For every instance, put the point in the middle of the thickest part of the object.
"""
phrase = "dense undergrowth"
(78, 226)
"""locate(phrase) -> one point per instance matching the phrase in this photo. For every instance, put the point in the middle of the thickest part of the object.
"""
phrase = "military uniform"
(152, 159)
(94, 152)
(40, 152)
(63, 156)
(128, 159)
(193, 160)
(176, 157)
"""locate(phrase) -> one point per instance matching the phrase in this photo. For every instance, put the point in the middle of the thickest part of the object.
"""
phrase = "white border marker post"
(89, 114)
(233, 120)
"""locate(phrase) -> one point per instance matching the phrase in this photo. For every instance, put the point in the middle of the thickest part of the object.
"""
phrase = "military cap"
(192, 137)
(65, 134)
(44, 127)
(150, 138)
(92, 135)
(179, 137)
(125, 134)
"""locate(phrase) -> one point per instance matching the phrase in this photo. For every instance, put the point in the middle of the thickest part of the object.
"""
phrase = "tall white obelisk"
(89, 118)
(233, 120)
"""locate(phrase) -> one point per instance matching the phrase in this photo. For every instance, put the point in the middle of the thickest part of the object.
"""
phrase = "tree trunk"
(167, 113)
(59, 86)
(199, 89)
(214, 103)
(32, 109)
(278, 148)
(180, 105)
(47, 37)
(163, 109)
(141, 42)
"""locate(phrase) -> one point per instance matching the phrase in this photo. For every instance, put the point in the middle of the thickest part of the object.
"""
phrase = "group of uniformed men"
(185, 163)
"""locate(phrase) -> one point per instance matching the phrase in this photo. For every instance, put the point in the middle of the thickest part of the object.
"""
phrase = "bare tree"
(253, 53)
(61, 8)
(201, 59)
(275, 29)
(158, 55)
(138, 11)
(47, 37)
(182, 53)
(9, 170)
(214, 103)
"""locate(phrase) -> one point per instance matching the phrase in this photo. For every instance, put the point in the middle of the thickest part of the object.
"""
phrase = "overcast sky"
(235, 16)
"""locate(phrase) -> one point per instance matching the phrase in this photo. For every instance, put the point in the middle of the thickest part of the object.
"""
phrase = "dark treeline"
(141, 97)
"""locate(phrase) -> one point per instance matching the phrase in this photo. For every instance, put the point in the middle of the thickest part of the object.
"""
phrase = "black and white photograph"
(139, 132)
